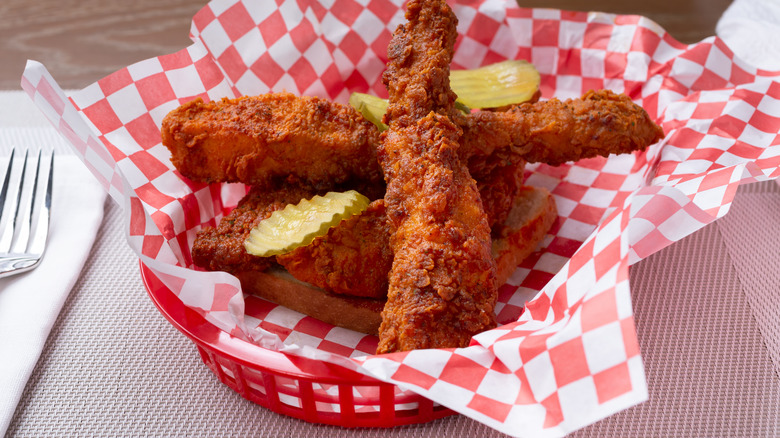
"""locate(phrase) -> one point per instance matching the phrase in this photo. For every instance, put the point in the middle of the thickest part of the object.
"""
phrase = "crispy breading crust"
(554, 131)
(442, 285)
(264, 140)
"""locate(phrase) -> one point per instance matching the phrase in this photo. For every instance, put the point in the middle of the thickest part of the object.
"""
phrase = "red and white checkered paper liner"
(572, 356)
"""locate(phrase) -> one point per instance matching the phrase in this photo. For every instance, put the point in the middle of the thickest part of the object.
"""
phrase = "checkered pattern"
(566, 354)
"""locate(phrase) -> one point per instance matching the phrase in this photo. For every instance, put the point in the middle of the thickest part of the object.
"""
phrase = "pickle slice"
(496, 85)
(372, 108)
(297, 225)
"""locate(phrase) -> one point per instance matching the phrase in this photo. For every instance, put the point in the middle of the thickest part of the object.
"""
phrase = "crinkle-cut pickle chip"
(496, 85)
(492, 86)
(297, 225)
(372, 108)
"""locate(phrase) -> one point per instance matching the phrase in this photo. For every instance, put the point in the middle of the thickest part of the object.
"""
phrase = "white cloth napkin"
(30, 302)
(751, 28)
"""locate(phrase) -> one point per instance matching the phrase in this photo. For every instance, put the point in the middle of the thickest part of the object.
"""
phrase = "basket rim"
(208, 336)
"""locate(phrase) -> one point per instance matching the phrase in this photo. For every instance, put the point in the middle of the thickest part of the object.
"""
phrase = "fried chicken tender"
(554, 131)
(262, 140)
(442, 285)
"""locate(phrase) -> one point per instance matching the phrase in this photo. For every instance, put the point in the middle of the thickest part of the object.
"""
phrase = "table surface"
(129, 373)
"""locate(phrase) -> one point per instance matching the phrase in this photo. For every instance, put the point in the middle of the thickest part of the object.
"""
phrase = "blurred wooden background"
(80, 41)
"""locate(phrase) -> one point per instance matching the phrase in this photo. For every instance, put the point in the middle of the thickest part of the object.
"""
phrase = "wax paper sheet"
(567, 352)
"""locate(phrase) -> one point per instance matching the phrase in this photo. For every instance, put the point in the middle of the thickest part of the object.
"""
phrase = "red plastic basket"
(303, 388)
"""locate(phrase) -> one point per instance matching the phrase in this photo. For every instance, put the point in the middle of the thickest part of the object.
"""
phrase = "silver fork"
(25, 204)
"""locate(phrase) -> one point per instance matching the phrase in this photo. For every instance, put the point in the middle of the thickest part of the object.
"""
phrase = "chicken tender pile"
(442, 183)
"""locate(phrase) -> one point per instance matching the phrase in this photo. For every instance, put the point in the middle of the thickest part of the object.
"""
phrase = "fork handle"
(16, 264)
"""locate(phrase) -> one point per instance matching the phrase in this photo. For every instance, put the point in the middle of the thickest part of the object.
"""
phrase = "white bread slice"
(532, 215)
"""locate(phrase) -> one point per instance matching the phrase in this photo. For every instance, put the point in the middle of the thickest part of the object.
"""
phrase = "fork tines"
(25, 203)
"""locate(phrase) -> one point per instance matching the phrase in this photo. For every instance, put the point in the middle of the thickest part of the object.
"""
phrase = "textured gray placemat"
(708, 368)
(113, 366)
